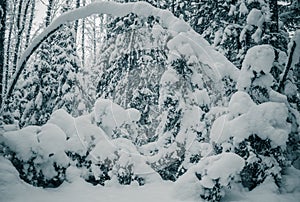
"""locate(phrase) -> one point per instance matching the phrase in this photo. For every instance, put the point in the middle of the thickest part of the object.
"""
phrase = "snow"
(243, 8)
(111, 116)
(257, 35)
(64, 121)
(169, 77)
(201, 97)
(232, 10)
(267, 120)
(103, 150)
(222, 166)
(133, 114)
(78, 190)
(181, 35)
(255, 17)
(240, 103)
(258, 62)
(52, 138)
(24, 142)
(259, 58)
(94, 131)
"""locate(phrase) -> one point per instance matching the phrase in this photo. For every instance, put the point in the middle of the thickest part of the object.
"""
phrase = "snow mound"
(23, 142)
(52, 139)
(255, 17)
(203, 175)
(64, 120)
(239, 104)
(267, 120)
(111, 116)
(224, 165)
(257, 64)
(169, 77)
(259, 58)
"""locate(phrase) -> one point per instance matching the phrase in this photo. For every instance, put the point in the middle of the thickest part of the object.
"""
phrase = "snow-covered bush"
(258, 133)
(117, 121)
(38, 154)
(256, 78)
(184, 102)
(82, 135)
(209, 178)
(118, 162)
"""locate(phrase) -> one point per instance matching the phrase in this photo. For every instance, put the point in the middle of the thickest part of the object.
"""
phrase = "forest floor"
(13, 189)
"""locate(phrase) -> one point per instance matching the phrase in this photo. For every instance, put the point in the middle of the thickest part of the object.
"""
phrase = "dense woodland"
(176, 104)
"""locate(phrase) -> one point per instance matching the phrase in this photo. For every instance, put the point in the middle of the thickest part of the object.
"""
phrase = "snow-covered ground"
(12, 189)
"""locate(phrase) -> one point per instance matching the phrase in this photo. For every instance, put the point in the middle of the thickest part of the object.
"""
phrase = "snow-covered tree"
(209, 178)
(132, 61)
(258, 126)
(51, 82)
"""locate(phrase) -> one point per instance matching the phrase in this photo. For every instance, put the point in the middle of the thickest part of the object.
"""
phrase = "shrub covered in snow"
(258, 133)
(208, 178)
(42, 154)
(116, 121)
(184, 101)
(38, 154)
(119, 162)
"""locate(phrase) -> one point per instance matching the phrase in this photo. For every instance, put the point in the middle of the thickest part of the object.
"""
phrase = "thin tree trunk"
(274, 18)
(18, 22)
(83, 38)
(287, 68)
(3, 8)
(30, 23)
(94, 41)
(8, 46)
(20, 29)
(76, 22)
(48, 13)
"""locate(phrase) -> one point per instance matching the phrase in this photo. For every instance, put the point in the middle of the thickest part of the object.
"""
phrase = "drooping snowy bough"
(184, 40)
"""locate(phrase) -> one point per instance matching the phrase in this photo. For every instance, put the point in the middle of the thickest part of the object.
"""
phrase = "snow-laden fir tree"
(260, 123)
(50, 83)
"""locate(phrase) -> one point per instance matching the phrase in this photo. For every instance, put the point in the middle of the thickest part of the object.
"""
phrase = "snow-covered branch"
(175, 26)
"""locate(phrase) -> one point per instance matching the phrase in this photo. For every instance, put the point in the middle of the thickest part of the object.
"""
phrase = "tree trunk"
(18, 22)
(48, 13)
(30, 23)
(21, 21)
(3, 8)
(8, 46)
(287, 69)
(94, 41)
(76, 22)
(83, 38)
(274, 18)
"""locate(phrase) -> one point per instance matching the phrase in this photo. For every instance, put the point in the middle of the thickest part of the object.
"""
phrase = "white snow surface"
(111, 116)
(24, 142)
(13, 189)
(239, 104)
(222, 166)
(258, 60)
(267, 120)
(255, 17)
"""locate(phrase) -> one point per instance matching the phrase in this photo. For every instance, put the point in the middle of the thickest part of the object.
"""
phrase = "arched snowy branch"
(184, 41)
